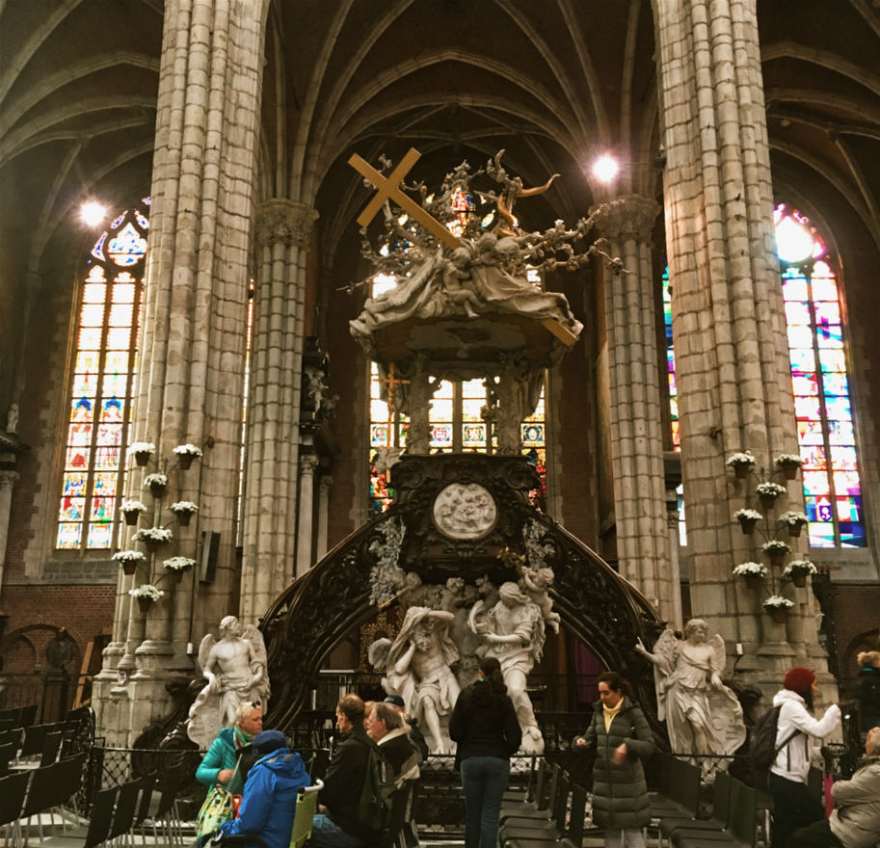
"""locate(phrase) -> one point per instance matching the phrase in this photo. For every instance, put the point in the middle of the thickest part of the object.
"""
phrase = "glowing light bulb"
(92, 213)
(606, 168)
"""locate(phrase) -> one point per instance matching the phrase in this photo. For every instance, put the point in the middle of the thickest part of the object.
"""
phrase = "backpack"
(374, 804)
(763, 748)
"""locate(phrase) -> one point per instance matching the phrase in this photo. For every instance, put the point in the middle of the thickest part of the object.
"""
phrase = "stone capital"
(287, 222)
(629, 217)
(308, 462)
(7, 478)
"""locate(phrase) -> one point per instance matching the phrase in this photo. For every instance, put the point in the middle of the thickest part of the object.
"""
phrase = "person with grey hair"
(386, 727)
(220, 769)
(855, 822)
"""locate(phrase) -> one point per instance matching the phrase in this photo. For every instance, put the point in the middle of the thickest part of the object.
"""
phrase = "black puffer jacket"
(620, 794)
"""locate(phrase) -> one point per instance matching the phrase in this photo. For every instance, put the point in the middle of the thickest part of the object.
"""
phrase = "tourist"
(794, 806)
(415, 732)
(220, 768)
(485, 726)
(385, 726)
(855, 822)
(268, 804)
(621, 738)
(338, 824)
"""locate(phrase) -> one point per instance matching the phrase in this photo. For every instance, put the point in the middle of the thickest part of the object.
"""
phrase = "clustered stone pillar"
(635, 418)
(7, 481)
(728, 317)
(283, 234)
(325, 484)
(193, 320)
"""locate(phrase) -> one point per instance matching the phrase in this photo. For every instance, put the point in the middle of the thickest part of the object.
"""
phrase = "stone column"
(324, 486)
(193, 321)
(7, 481)
(636, 422)
(305, 527)
(283, 233)
(728, 317)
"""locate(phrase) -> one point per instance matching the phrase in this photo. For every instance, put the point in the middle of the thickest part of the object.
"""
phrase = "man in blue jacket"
(269, 800)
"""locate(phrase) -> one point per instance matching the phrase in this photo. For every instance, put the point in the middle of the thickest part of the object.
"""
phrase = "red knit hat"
(799, 680)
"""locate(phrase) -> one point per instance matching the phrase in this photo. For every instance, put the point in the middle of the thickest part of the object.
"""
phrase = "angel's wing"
(377, 654)
(719, 654)
(253, 635)
(205, 647)
(666, 649)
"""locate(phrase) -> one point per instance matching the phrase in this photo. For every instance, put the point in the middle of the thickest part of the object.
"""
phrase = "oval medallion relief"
(465, 511)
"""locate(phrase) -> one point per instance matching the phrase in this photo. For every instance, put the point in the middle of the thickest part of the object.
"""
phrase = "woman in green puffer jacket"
(218, 765)
(621, 738)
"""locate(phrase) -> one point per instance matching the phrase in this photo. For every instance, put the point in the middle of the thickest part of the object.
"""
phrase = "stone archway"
(316, 611)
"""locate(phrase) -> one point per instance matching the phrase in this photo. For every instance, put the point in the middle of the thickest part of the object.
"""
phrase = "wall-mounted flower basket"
(178, 566)
(776, 551)
(748, 520)
(129, 560)
(769, 492)
(156, 483)
(777, 608)
(741, 463)
(186, 454)
(754, 573)
(184, 511)
(146, 595)
(153, 537)
(794, 522)
(788, 464)
(141, 451)
(798, 571)
(132, 510)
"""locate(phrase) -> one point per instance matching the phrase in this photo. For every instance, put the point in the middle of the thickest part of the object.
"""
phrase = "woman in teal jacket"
(219, 766)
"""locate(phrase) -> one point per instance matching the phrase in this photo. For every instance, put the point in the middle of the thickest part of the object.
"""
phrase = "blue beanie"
(267, 741)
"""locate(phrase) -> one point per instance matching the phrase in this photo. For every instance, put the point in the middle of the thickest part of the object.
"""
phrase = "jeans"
(817, 835)
(629, 838)
(327, 834)
(484, 780)
(793, 808)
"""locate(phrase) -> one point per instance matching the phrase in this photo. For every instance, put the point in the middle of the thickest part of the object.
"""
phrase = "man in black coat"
(385, 726)
(415, 732)
(337, 824)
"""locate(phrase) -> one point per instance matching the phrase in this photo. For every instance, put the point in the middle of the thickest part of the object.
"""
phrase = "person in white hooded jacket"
(797, 731)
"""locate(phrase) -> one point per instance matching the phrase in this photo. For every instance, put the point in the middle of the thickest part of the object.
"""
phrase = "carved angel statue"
(702, 715)
(513, 632)
(416, 666)
(536, 583)
(235, 668)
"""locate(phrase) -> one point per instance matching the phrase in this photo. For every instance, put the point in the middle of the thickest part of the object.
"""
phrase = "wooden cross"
(391, 383)
(389, 189)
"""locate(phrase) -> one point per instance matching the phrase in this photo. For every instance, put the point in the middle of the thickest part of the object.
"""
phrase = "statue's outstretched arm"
(531, 192)
(402, 665)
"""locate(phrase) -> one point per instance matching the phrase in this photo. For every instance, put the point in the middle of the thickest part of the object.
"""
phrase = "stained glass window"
(456, 425)
(823, 407)
(99, 411)
(666, 289)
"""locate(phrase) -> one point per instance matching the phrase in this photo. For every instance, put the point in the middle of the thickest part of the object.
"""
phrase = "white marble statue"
(513, 632)
(235, 668)
(416, 666)
(12, 419)
(702, 715)
(536, 583)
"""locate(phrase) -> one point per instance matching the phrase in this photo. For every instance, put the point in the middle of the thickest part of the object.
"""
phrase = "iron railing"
(53, 694)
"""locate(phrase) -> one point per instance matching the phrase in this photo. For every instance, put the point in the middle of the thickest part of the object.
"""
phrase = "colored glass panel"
(100, 536)
(822, 402)
(441, 435)
(807, 408)
(97, 431)
(69, 536)
(804, 384)
(672, 384)
(473, 435)
(127, 246)
(94, 293)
